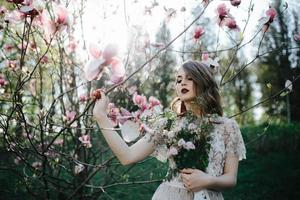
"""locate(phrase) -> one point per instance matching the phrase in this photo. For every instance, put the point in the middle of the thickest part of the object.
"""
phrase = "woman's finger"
(187, 171)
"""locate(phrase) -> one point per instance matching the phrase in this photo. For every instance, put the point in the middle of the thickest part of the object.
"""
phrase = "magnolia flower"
(297, 37)
(93, 69)
(78, 168)
(198, 32)
(231, 23)
(153, 101)
(222, 11)
(139, 100)
(288, 85)
(205, 56)
(86, 141)
(14, 16)
(59, 22)
(271, 13)
(83, 98)
(110, 51)
(70, 115)
(95, 51)
(235, 2)
(125, 115)
(3, 82)
(113, 112)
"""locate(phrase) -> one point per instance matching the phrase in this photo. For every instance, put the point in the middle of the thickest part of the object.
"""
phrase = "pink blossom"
(222, 11)
(86, 141)
(12, 64)
(297, 37)
(231, 23)
(189, 145)
(132, 89)
(95, 51)
(205, 56)
(72, 46)
(235, 2)
(14, 16)
(83, 98)
(172, 152)
(93, 69)
(70, 115)
(271, 13)
(8, 47)
(198, 32)
(113, 113)
(3, 82)
(44, 59)
(110, 51)
(125, 115)
(153, 101)
(139, 100)
(2, 10)
(118, 71)
(59, 23)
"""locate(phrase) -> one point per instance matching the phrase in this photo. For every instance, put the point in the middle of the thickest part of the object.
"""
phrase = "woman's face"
(185, 86)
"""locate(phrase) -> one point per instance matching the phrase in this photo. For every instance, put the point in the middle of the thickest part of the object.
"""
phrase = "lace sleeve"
(233, 140)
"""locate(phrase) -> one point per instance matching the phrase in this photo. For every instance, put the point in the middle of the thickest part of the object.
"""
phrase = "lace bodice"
(226, 140)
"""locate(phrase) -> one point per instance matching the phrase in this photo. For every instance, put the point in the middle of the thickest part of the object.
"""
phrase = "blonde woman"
(198, 92)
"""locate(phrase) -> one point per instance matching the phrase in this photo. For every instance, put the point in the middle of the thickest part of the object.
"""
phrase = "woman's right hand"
(100, 106)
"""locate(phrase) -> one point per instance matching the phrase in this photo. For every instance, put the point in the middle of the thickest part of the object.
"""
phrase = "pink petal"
(93, 68)
(94, 51)
(297, 37)
(110, 51)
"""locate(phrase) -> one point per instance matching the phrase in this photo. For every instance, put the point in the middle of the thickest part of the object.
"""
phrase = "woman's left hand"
(194, 179)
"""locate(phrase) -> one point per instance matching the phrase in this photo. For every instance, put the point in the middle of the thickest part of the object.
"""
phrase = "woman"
(198, 92)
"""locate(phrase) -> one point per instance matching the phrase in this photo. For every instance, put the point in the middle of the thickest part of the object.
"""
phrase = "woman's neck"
(193, 107)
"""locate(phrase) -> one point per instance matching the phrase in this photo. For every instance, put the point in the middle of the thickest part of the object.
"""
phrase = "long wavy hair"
(208, 99)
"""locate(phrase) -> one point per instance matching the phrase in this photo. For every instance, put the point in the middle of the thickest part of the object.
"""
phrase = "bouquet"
(186, 139)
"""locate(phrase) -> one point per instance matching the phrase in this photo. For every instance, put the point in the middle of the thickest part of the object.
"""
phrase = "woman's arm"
(124, 153)
(196, 180)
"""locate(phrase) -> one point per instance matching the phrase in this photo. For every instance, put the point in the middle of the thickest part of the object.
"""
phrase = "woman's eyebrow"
(179, 76)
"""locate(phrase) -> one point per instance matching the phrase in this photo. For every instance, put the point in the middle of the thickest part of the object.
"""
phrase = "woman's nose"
(183, 82)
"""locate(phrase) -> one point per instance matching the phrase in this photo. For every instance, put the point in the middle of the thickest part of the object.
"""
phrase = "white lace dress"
(226, 139)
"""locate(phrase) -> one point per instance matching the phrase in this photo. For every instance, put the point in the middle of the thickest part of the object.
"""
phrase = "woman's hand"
(194, 179)
(101, 103)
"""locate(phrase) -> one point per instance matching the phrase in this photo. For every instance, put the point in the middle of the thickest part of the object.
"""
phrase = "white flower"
(171, 134)
(172, 151)
(181, 142)
(189, 145)
(78, 168)
(192, 126)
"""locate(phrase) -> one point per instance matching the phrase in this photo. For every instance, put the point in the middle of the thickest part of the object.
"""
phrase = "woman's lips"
(183, 91)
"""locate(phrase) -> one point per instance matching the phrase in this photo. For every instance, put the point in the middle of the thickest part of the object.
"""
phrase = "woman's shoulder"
(225, 122)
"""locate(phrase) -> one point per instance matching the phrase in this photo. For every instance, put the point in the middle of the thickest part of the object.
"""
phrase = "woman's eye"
(189, 78)
(178, 81)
